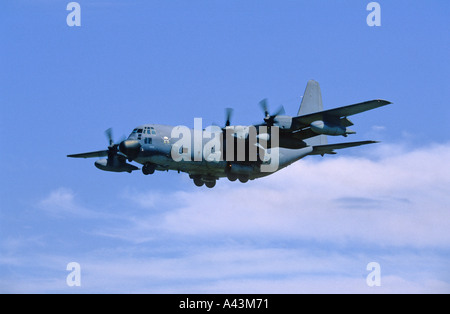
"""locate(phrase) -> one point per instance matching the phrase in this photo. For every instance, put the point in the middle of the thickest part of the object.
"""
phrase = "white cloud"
(312, 227)
(245, 269)
(62, 203)
(400, 199)
(378, 128)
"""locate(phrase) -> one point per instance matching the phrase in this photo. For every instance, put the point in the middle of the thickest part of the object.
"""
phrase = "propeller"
(112, 148)
(130, 148)
(268, 118)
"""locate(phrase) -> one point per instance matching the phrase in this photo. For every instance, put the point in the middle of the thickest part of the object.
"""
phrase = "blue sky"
(310, 228)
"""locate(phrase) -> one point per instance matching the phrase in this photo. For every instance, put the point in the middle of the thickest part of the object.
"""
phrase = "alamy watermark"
(73, 279)
(374, 277)
(74, 17)
(374, 17)
(232, 143)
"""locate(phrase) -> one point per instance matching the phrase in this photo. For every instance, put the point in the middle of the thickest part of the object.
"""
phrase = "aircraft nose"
(130, 148)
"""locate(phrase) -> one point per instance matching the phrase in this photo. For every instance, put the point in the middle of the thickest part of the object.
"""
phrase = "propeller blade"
(108, 133)
(228, 113)
(280, 111)
(268, 118)
(264, 106)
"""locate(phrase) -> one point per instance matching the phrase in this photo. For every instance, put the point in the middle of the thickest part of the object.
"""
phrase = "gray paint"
(151, 145)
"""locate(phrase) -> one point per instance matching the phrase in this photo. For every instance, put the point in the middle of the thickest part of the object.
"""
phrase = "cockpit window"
(134, 131)
(139, 130)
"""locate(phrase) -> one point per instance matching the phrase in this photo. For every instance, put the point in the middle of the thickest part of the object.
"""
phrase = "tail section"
(312, 102)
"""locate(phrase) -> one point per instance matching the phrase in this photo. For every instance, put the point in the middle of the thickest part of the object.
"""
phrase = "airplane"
(280, 140)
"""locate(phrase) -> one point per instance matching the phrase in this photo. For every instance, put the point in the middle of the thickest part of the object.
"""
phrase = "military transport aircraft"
(235, 152)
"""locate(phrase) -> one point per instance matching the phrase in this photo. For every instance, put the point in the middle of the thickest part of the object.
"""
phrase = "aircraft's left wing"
(329, 148)
(334, 115)
(99, 153)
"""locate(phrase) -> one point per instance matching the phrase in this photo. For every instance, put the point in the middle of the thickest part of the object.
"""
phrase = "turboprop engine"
(116, 162)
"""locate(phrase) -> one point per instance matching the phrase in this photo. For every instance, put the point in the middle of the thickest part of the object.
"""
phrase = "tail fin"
(312, 102)
(312, 99)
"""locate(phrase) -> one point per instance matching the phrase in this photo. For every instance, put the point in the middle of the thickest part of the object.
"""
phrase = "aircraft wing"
(334, 115)
(329, 148)
(100, 153)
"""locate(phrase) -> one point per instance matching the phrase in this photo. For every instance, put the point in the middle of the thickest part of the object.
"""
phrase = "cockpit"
(145, 130)
(140, 132)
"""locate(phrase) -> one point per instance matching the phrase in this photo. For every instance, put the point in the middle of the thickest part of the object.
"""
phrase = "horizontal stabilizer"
(100, 153)
(329, 148)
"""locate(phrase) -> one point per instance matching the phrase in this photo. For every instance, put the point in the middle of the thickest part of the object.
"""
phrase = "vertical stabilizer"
(312, 99)
(312, 102)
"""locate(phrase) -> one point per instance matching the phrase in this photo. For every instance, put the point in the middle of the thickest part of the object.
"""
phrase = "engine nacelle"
(321, 127)
(283, 122)
(115, 166)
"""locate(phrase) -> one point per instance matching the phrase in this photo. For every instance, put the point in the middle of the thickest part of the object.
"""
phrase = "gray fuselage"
(158, 147)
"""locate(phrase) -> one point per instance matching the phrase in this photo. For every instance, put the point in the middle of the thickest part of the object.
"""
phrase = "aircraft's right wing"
(329, 148)
(100, 153)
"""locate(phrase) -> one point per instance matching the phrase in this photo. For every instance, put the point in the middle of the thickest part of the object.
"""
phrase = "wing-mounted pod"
(322, 127)
(115, 164)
